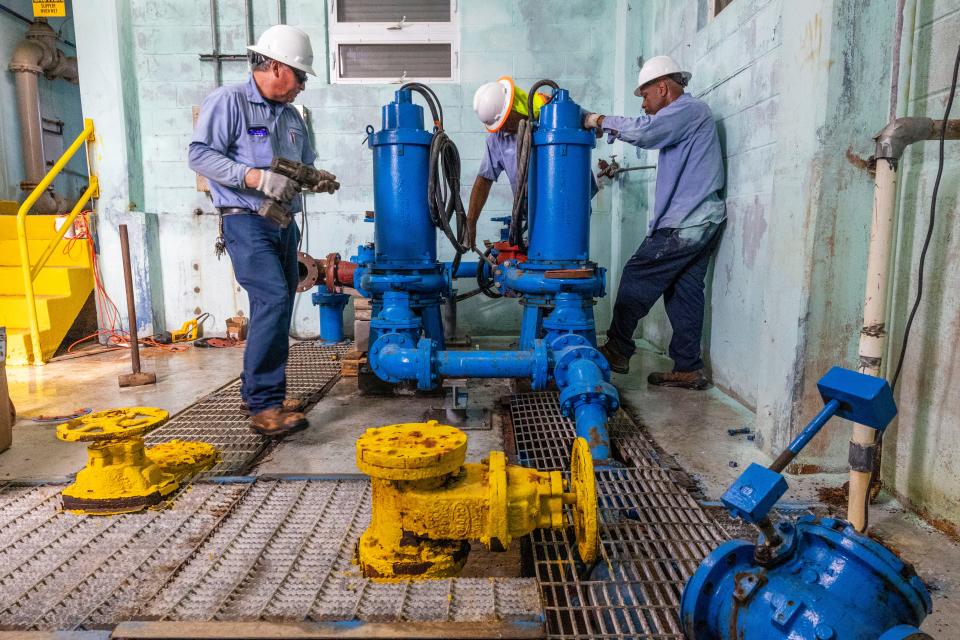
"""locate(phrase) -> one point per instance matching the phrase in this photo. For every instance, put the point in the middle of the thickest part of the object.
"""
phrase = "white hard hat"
(492, 103)
(657, 67)
(288, 45)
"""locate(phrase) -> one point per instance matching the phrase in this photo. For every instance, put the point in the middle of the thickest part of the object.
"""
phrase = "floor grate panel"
(653, 534)
(267, 550)
(219, 420)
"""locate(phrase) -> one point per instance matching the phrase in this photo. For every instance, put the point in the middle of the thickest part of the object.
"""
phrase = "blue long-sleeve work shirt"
(690, 165)
(239, 129)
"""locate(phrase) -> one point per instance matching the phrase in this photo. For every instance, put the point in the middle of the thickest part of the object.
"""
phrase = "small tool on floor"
(137, 377)
(190, 330)
(122, 475)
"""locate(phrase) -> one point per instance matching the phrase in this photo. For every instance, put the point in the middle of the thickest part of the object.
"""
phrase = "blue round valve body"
(832, 584)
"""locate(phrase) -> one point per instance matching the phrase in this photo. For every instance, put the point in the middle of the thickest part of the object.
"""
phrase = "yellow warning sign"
(49, 8)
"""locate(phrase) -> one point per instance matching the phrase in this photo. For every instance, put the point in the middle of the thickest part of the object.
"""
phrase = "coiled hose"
(519, 215)
(443, 187)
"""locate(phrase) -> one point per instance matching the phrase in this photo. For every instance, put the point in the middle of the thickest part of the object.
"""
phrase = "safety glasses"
(301, 76)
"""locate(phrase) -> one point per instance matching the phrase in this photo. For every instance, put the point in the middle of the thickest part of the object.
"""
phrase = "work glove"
(593, 121)
(278, 187)
(327, 183)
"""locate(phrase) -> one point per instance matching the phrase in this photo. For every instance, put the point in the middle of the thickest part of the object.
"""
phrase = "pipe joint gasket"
(861, 457)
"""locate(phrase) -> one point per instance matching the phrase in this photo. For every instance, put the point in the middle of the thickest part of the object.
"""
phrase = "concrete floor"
(690, 426)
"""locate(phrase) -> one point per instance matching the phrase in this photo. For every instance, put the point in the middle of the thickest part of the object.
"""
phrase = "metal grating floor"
(653, 534)
(219, 420)
(266, 550)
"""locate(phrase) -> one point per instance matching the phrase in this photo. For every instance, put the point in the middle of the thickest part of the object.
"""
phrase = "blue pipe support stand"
(331, 315)
(832, 584)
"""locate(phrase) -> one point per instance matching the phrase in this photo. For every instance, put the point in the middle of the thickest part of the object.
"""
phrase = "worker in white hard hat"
(688, 218)
(240, 129)
(500, 105)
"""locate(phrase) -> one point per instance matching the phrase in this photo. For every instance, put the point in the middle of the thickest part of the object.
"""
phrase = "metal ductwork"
(38, 53)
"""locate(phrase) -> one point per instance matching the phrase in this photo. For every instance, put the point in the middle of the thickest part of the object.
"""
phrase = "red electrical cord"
(106, 309)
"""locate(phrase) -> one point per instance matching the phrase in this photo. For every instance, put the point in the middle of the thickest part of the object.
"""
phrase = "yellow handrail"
(29, 273)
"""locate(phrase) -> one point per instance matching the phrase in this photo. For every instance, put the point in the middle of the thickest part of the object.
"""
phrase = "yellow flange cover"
(112, 424)
(411, 451)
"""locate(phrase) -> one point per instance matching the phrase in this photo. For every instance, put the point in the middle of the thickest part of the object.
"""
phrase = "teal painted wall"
(921, 462)
(797, 94)
(59, 100)
(528, 40)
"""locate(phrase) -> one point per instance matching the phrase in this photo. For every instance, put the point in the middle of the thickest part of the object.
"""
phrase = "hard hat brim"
(507, 82)
(306, 68)
(686, 76)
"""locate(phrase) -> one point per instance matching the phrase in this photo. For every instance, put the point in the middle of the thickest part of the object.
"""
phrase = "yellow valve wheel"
(112, 424)
(411, 451)
(584, 486)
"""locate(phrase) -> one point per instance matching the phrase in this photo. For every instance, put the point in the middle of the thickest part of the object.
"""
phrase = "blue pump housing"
(557, 283)
(835, 584)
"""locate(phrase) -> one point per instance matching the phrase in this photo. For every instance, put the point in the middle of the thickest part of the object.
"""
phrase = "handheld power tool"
(308, 177)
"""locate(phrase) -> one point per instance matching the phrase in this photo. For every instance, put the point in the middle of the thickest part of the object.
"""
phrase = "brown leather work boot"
(683, 379)
(275, 421)
(289, 404)
(618, 363)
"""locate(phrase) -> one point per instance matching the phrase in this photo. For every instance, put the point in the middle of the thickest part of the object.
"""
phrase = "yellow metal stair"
(62, 286)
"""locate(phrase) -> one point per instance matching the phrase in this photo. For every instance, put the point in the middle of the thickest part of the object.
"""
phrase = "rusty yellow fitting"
(122, 475)
(428, 504)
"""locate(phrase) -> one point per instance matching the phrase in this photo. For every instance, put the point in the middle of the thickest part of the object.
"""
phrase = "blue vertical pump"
(557, 285)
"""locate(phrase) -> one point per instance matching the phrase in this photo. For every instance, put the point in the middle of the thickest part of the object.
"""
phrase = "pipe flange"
(426, 372)
(581, 393)
(411, 451)
(309, 272)
(540, 376)
(573, 348)
(332, 268)
(387, 341)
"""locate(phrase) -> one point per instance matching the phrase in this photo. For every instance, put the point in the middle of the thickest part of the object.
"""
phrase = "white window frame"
(339, 33)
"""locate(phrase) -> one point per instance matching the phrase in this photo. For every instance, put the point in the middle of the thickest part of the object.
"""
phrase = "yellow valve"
(122, 475)
(428, 504)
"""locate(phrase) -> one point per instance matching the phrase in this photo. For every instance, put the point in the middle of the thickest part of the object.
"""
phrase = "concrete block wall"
(921, 464)
(59, 100)
(734, 60)
(528, 40)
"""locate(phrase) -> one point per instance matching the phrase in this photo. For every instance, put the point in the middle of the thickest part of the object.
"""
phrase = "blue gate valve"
(813, 579)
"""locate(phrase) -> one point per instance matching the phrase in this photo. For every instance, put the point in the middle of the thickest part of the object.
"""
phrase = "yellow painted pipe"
(87, 135)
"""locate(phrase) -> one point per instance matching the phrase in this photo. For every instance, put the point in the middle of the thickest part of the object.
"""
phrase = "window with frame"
(380, 41)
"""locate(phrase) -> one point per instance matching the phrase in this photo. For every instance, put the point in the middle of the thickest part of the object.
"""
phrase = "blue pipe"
(485, 364)
(331, 315)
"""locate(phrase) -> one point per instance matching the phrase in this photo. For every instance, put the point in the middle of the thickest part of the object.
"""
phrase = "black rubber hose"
(519, 214)
(443, 181)
(483, 284)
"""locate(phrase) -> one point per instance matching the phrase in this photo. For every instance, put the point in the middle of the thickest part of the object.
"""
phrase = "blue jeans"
(264, 258)
(671, 263)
